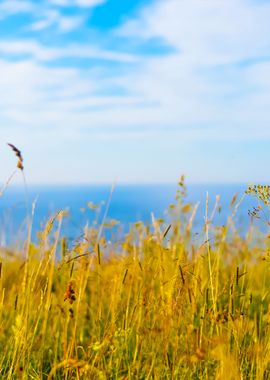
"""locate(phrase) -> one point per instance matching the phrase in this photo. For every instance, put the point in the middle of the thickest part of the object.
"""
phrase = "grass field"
(158, 304)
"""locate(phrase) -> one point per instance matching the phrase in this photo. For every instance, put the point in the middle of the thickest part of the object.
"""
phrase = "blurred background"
(136, 93)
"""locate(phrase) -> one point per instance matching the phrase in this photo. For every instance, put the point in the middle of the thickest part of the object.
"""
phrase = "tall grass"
(156, 305)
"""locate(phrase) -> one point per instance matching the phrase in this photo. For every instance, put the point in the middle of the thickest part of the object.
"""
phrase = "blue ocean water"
(128, 204)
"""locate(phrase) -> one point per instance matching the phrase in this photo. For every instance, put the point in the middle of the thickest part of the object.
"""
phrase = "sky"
(135, 91)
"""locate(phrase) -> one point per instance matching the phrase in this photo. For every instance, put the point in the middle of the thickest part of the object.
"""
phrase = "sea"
(127, 204)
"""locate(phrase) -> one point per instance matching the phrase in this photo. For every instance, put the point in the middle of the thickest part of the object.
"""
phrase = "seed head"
(18, 154)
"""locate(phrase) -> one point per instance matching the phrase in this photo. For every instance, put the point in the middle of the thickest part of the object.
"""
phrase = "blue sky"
(136, 91)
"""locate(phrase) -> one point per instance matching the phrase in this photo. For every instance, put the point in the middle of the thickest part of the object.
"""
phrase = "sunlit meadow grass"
(157, 304)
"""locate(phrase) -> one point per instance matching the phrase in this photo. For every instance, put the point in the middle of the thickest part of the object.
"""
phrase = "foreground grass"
(157, 305)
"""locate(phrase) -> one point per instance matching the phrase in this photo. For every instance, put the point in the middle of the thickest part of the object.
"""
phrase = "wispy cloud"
(53, 18)
(66, 24)
(209, 72)
(80, 3)
(48, 19)
(37, 51)
(9, 7)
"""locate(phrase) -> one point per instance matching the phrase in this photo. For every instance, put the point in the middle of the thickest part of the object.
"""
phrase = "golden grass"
(157, 305)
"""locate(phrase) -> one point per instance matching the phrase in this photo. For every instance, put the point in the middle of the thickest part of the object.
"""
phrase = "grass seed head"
(70, 294)
(18, 154)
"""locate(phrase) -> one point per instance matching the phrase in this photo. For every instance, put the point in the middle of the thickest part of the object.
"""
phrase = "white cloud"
(40, 25)
(42, 53)
(209, 31)
(200, 83)
(55, 19)
(205, 81)
(8, 7)
(48, 19)
(80, 3)
(89, 3)
(66, 24)
(61, 3)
